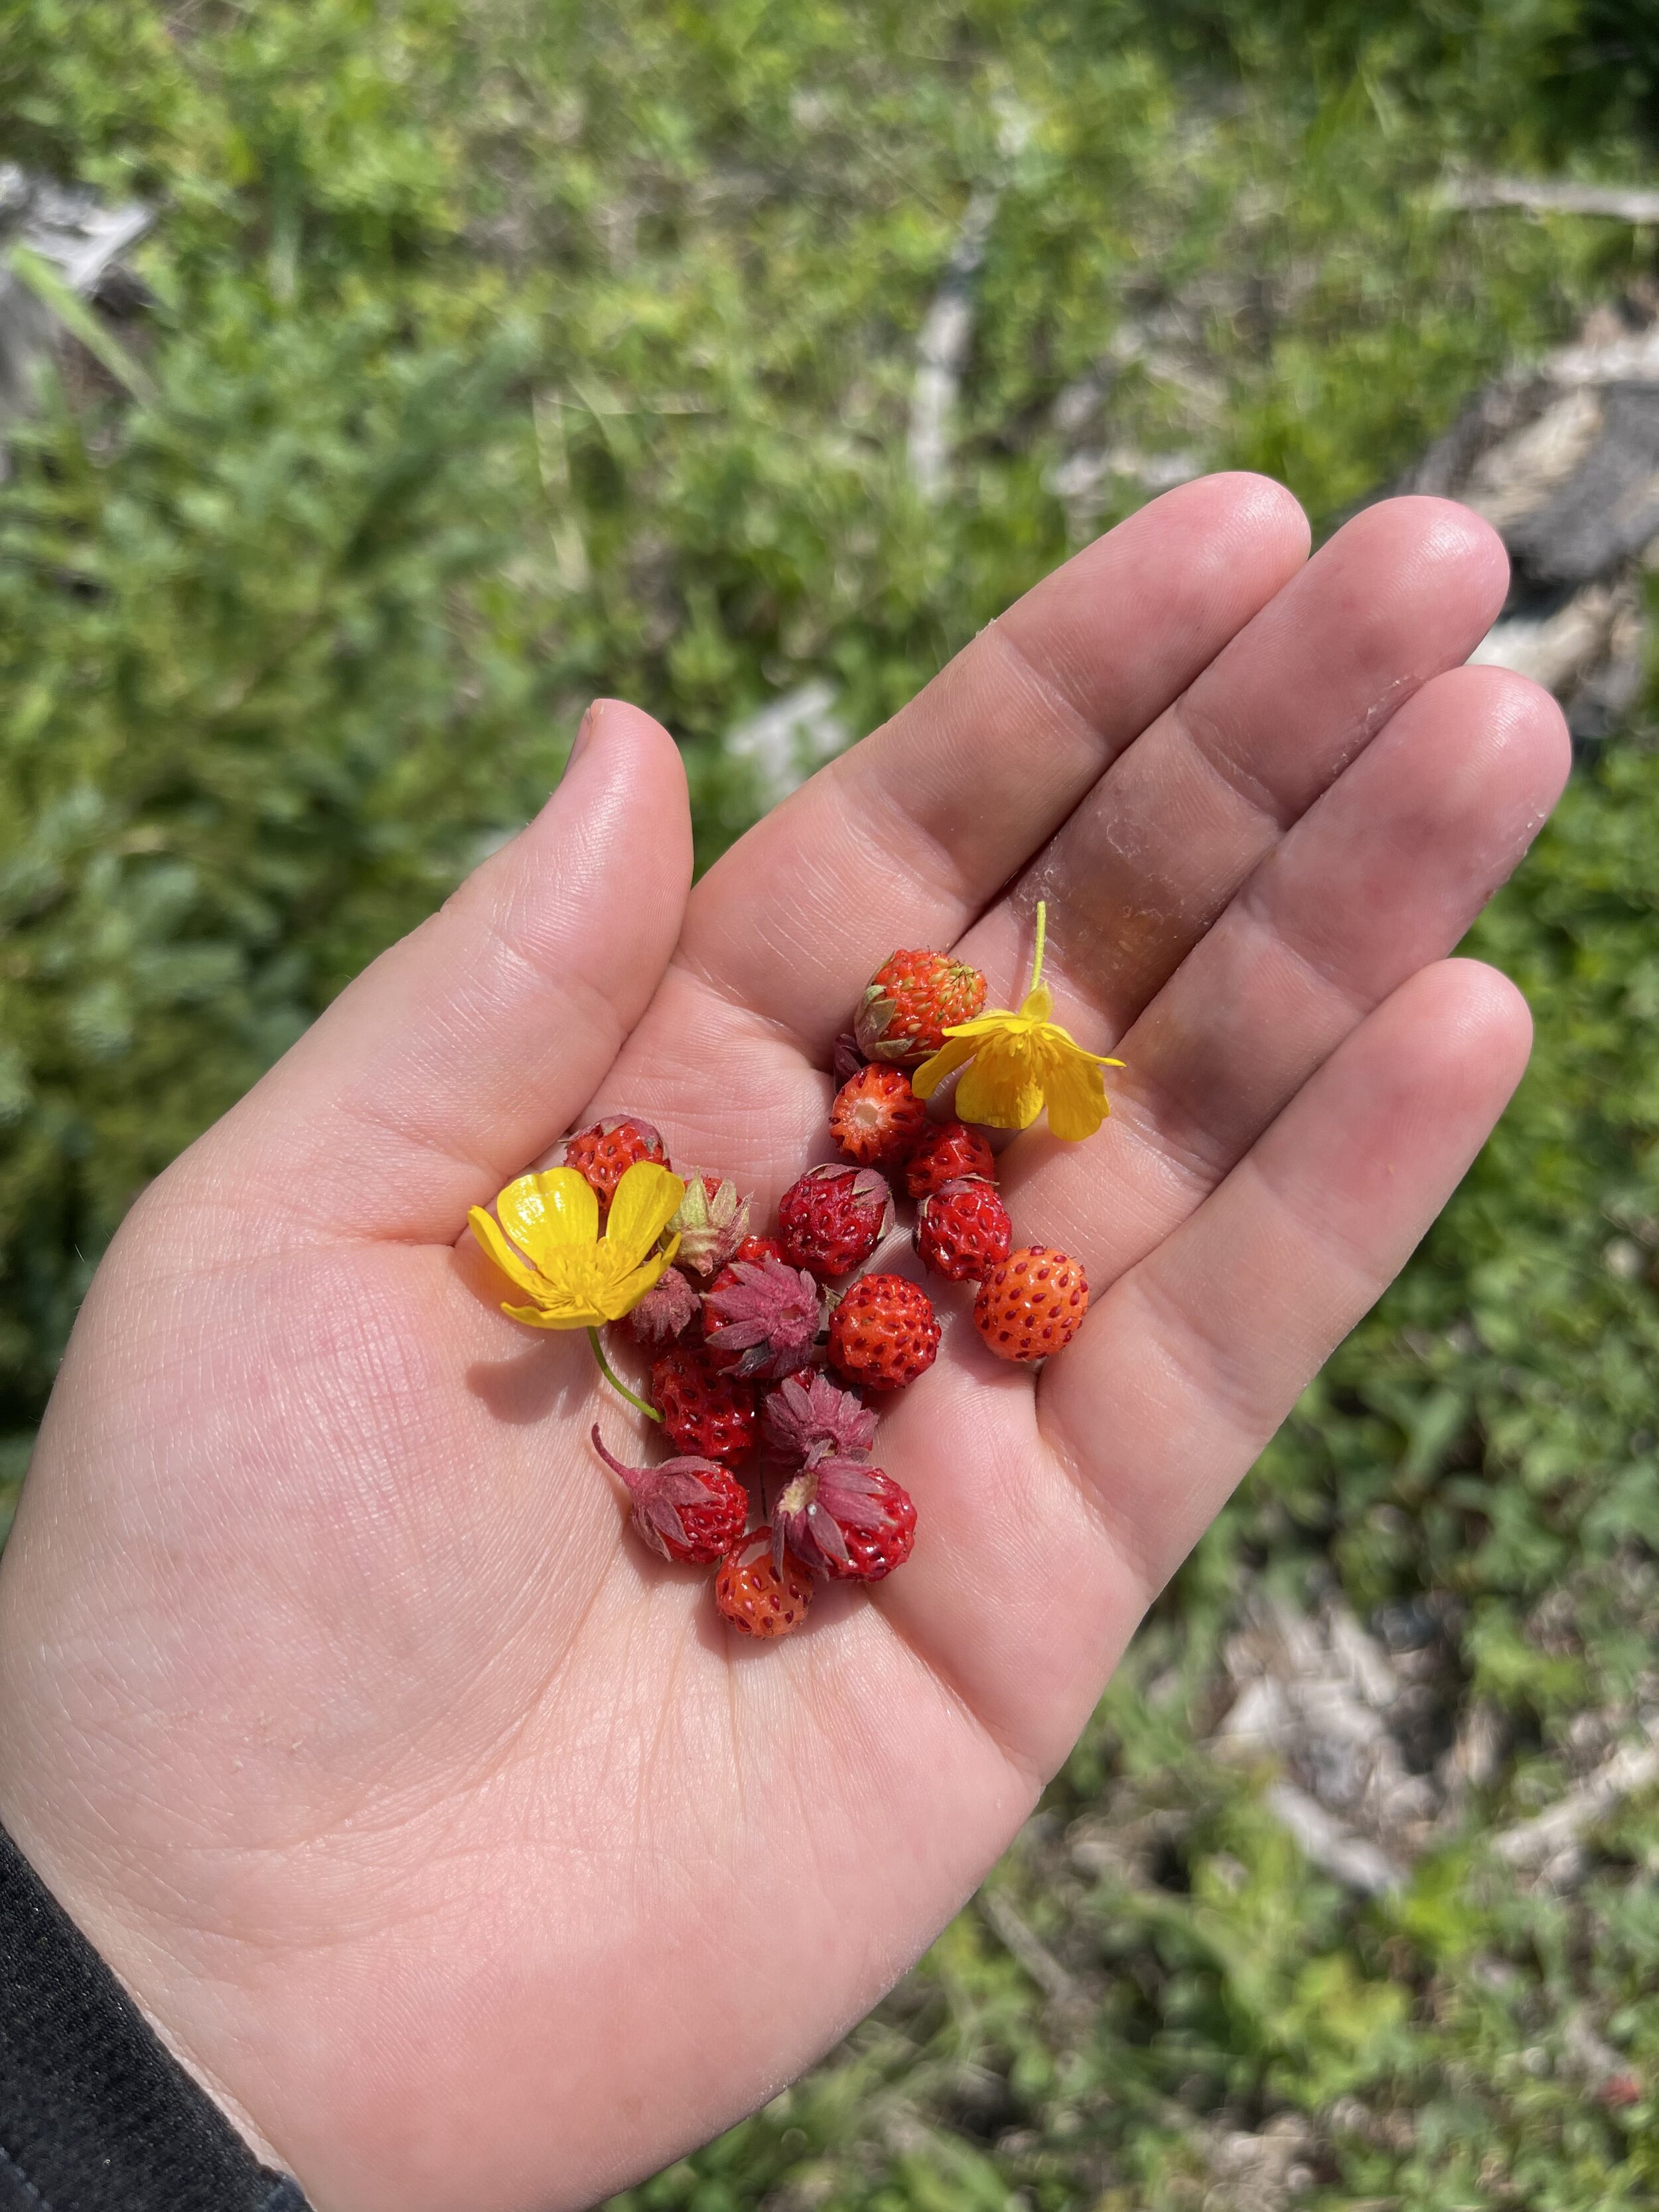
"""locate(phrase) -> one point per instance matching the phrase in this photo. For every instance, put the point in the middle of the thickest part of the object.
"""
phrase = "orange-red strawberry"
(703, 1411)
(883, 1333)
(962, 1230)
(756, 1595)
(842, 1519)
(687, 1509)
(832, 1218)
(911, 1001)
(604, 1152)
(756, 1248)
(949, 1150)
(876, 1119)
(1032, 1304)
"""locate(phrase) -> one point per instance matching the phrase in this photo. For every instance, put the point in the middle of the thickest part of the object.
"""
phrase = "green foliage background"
(497, 354)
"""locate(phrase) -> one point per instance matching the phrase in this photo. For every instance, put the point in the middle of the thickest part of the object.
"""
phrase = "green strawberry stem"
(615, 1381)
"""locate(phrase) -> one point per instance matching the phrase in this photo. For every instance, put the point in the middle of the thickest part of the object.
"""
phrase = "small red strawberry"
(842, 1519)
(762, 1318)
(962, 1230)
(949, 1150)
(1032, 1304)
(911, 1001)
(687, 1509)
(833, 1217)
(756, 1248)
(756, 1595)
(883, 1333)
(604, 1152)
(665, 1313)
(876, 1119)
(703, 1411)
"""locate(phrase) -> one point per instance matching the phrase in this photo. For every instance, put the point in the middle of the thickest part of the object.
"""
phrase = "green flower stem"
(615, 1381)
(1042, 932)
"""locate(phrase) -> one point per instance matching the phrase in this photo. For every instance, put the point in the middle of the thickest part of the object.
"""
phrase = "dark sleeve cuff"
(96, 2116)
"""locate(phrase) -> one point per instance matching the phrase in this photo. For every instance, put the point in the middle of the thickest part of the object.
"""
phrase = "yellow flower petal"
(511, 1263)
(646, 1199)
(574, 1278)
(1015, 1063)
(1001, 1089)
(1076, 1094)
(945, 1061)
(548, 1213)
(992, 1023)
(565, 1317)
(621, 1298)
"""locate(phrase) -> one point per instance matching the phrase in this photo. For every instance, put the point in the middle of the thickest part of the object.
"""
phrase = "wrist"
(97, 2107)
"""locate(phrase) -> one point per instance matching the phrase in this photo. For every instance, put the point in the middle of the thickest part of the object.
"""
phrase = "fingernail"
(585, 731)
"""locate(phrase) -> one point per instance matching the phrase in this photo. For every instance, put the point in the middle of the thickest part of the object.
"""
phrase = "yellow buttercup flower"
(1017, 1063)
(547, 1242)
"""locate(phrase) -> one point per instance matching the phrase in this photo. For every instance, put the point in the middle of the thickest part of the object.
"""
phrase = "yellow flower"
(547, 1243)
(1018, 1063)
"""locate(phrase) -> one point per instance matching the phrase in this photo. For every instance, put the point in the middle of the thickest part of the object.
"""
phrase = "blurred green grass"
(506, 354)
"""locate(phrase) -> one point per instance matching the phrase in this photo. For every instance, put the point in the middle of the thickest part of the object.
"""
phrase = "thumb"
(462, 1052)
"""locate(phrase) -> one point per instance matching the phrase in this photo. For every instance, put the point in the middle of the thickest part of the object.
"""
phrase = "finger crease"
(1257, 912)
(1153, 1116)
(944, 1677)
(1117, 1530)
(1050, 693)
(1204, 739)
(1200, 1358)
(773, 1026)
(1341, 1250)
(941, 876)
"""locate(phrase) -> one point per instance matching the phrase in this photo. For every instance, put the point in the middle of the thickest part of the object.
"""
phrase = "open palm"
(451, 1837)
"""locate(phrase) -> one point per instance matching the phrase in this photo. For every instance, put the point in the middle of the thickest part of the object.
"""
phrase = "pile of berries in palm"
(764, 1347)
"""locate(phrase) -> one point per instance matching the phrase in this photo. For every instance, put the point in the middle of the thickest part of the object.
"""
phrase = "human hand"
(448, 1836)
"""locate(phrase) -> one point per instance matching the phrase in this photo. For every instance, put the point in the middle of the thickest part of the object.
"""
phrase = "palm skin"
(448, 1836)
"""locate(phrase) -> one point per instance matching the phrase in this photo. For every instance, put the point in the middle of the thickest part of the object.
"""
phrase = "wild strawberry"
(712, 1222)
(884, 1332)
(756, 1248)
(833, 1217)
(806, 1418)
(758, 1595)
(911, 1001)
(665, 1312)
(1032, 1304)
(949, 1150)
(841, 1518)
(687, 1509)
(962, 1230)
(762, 1318)
(876, 1119)
(703, 1411)
(604, 1152)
